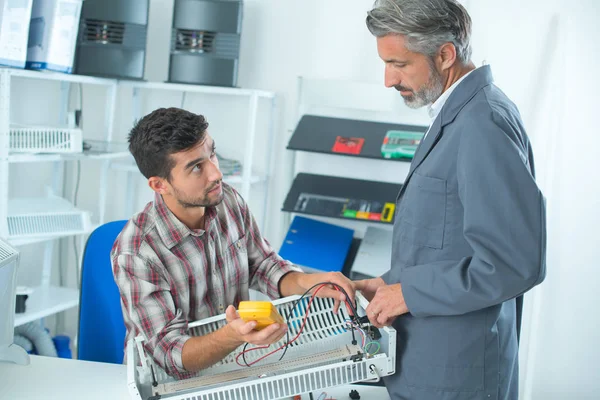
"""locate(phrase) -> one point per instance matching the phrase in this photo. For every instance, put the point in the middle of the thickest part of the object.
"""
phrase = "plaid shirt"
(169, 275)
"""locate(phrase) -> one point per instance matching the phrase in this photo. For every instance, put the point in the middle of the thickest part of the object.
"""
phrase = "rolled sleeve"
(173, 363)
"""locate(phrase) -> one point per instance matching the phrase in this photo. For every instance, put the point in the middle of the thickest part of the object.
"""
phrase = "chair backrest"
(101, 333)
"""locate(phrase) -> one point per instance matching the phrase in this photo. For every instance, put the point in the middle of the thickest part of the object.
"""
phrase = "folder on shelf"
(316, 246)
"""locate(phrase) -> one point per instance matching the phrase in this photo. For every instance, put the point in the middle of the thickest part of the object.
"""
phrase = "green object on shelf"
(350, 213)
(400, 144)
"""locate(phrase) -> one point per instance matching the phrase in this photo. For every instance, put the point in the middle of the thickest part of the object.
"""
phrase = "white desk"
(60, 379)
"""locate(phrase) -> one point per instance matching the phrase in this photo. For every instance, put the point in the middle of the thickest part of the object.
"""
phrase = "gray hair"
(426, 24)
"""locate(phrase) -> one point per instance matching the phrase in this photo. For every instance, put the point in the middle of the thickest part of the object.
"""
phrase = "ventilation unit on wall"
(112, 38)
(205, 42)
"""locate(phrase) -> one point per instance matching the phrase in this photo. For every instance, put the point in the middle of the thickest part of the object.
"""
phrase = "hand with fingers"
(386, 304)
(308, 280)
(244, 331)
(368, 287)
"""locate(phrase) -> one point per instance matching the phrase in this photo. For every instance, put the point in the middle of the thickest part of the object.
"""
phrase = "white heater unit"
(327, 353)
(45, 216)
(9, 262)
(41, 139)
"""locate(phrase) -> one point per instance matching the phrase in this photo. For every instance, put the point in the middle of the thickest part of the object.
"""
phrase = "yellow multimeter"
(263, 312)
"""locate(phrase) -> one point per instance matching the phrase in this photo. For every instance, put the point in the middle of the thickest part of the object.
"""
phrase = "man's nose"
(391, 78)
(214, 173)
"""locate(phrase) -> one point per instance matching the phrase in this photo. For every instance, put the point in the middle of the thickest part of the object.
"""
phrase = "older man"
(470, 232)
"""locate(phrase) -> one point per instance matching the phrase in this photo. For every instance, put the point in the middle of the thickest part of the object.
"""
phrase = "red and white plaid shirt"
(170, 275)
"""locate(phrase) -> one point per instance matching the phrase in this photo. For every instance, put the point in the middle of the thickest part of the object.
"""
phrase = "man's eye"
(197, 168)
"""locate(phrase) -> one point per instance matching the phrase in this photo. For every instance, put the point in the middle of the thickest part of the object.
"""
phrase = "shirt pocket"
(236, 263)
(423, 212)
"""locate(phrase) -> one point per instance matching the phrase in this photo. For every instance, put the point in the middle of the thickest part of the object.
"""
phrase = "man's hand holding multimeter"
(265, 329)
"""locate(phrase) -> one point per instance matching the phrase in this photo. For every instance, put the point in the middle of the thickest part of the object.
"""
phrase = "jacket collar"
(464, 92)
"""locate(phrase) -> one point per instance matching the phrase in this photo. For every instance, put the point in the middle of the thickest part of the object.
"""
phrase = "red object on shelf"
(347, 145)
(375, 216)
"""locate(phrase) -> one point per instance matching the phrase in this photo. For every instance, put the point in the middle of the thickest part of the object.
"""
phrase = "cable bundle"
(284, 347)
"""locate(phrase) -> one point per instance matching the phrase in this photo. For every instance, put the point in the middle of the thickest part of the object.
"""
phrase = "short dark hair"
(163, 132)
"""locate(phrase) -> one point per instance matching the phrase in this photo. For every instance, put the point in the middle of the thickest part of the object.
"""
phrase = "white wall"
(555, 90)
(537, 50)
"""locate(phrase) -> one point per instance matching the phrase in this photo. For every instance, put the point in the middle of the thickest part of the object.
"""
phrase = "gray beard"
(428, 93)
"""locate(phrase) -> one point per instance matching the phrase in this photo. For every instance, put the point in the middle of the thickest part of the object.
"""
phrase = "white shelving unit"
(42, 239)
(131, 167)
(46, 299)
(60, 77)
(178, 87)
(26, 158)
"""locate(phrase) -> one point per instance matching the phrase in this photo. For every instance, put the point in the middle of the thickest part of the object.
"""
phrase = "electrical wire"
(285, 346)
(369, 345)
(75, 194)
(335, 285)
(79, 123)
(243, 353)
(360, 330)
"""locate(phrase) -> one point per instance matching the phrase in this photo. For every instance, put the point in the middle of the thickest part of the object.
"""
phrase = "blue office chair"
(101, 328)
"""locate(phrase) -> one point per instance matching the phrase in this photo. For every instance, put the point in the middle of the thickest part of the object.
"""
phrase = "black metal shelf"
(343, 198)
(318, 135)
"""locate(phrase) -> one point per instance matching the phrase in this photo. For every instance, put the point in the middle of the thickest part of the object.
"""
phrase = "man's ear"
(446, 56)
(159, 185)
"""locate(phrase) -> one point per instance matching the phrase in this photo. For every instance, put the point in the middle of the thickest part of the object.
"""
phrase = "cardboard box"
(14, 31)
(53, 34)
